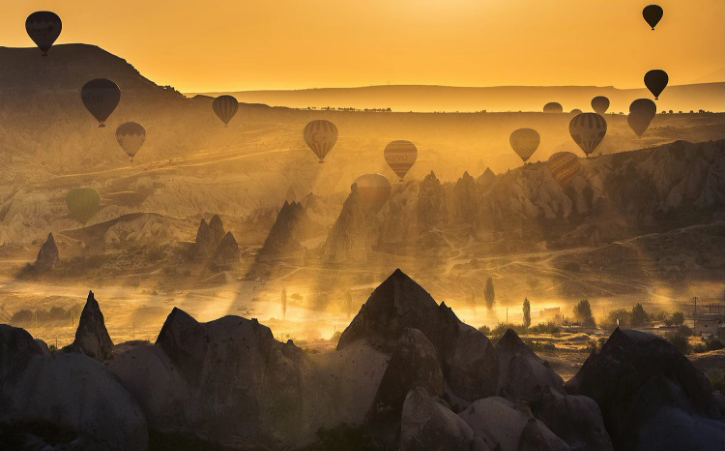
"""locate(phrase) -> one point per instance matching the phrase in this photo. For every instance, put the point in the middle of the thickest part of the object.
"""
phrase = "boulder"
(522, 374)
(92, 338)
(413, 364)
(575, 419)
(65, 400)
(502, 425)
(428, 426)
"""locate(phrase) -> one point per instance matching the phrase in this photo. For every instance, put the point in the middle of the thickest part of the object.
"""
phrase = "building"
(707, 326)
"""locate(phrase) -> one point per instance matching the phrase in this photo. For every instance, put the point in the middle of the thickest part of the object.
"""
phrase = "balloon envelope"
(588, 130)
(553, 107)
(563, 166)
(656, 81)
(652, 14)
(524, 141)
(641, 113)
(130, 137)
(83, 203)
(225, 107)
(43, 27)
(373, 190)
(575, 111)
(400, 156)
(101, 97)
(600, 104)
(320, 136)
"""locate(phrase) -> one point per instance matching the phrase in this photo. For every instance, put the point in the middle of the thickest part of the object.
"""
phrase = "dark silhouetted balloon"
(83, 203)
(373, 190)
(525, 141)
(553, 107)
(400, 156)
(641, 113)
(130, 137)
(225, 107)
(600, 104)
(588, 130)
(321, 136)
(43, 27)
(563, 166)
(575, 111)
(101, 97)
(652, 14)
(656, 81)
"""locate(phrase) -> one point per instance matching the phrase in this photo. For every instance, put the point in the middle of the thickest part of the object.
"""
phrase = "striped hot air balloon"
(400, 156)
(553, 107)
(225, 107)
(321, 136)
(101, 97)
(130, 137)
(600, 104)
(563, 167)
(588, 130)
(524, 141)
(43, 27)
(373, 190)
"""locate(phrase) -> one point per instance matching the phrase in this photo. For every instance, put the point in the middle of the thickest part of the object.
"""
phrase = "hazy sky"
(222, 45)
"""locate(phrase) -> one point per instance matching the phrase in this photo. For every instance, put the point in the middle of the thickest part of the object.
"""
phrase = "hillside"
(706, 96)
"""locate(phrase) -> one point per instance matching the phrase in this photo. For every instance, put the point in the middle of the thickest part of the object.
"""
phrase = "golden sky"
(225, 45)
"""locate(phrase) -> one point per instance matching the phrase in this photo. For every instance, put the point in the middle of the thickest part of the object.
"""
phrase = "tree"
(678, 318)
(527, 313)
(639, 316)
(489, 293)
(583, 313)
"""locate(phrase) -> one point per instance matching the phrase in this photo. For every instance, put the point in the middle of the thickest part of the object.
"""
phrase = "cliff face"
(613, 197)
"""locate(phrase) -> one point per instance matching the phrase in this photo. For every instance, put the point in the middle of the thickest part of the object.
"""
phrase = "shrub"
(680, 342)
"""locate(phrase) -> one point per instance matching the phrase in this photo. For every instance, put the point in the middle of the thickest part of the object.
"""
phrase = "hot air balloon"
(225, 108)
(588, 130)
(656, 81)
(373, 190)
(575, 111)
(130, 137)
(600, 104)
(641, 112)
(321, 136)
(563, 166)
(553, 107)
(525, 141)
(83, 203)
(43, 27)
(100, 96)
(400, 156)
(652, 14)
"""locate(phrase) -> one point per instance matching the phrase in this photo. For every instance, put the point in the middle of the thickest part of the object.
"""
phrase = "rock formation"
(283, 237)
(64, 401)
(217, 229)
(649, 393)
(92, 338)
(204, 244)
(522, 374)
(47, 256)
(227, 252)
(467, 357)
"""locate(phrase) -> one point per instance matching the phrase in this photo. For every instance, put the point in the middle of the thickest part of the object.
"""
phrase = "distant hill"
(707, 96)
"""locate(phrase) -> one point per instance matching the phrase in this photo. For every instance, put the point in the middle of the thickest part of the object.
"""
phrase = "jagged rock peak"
(92, 338)
(48, 255)
(511, 342)
(228, 250)
(487, 176)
